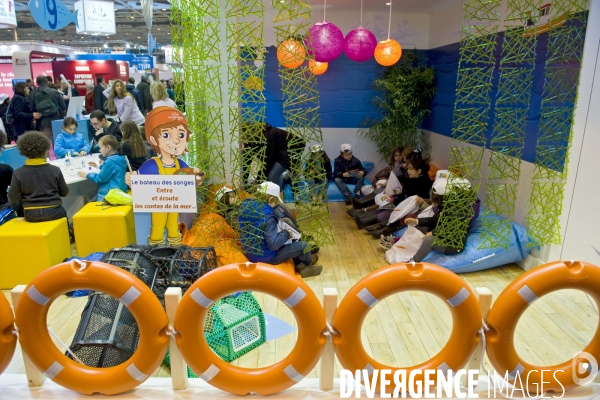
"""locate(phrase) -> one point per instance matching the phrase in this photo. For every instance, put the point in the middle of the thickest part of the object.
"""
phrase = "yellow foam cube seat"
(99, 228)
(29, 248)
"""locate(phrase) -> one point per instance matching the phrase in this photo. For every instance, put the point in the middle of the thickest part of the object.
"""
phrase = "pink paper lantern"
(360, 44)
(325, 41)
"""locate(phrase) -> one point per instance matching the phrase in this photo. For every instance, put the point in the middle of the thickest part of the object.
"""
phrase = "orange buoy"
(8, 338)
(512, 303)
(32, 311)
(269, 279)
(401, 277)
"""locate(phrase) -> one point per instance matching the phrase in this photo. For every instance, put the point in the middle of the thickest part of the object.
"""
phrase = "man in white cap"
(348, 170)
(267, 238)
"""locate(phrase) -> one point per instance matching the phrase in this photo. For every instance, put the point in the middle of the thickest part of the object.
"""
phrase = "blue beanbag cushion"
(333, 193)
(473, 259)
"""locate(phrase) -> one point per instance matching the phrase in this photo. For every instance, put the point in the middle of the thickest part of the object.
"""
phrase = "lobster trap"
(180, 266)
(108, 334)
(235, 325)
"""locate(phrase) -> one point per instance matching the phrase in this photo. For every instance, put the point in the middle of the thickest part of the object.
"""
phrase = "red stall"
(84, 71)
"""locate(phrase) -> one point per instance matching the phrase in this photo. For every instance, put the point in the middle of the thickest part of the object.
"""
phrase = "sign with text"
(96, 17)
(8, 17)
(84, 71)
(164, 193)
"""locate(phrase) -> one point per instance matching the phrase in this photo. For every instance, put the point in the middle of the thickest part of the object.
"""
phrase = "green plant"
(406, 91)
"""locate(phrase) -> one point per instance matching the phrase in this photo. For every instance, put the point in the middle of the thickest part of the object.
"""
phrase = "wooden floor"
(404, 329)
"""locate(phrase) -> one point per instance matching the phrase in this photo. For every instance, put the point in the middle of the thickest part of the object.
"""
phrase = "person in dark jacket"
(137, 95)
(37, 187)
(274, 141)
(99, 97)
(8, 129)
(266, 239)
(417, 184)
(103, 126)
(132, 146)
(144, 89)
(6, 173)
(21, 110)
(348, 169)
(39, 103)
(318, 171)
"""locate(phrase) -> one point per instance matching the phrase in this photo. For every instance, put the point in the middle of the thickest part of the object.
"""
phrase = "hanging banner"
(52, 15)
(8, 17)
(96, 17)
(151, 44)
(147, 8)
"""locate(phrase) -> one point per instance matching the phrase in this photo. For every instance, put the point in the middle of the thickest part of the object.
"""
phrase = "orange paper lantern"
(388, 52)
(316, 67)
(291, 53)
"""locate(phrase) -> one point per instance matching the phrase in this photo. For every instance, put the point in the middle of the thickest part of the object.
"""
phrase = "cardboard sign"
(164, 193)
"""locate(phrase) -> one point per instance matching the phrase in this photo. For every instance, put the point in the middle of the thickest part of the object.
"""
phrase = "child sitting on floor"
(133, 146)
(348, 169)
(428, 225)
(112, 171)
(70, 141)
(37, 187)
(269, 239)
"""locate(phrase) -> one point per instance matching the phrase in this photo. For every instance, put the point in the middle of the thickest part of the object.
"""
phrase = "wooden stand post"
(178, 367)
(34, 376)
(484, 297)
(330, 303)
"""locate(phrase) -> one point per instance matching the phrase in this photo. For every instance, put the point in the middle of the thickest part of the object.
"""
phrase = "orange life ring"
(8, 339)
(512, 303)
(269, 279)
(395, 278)
(32, 311)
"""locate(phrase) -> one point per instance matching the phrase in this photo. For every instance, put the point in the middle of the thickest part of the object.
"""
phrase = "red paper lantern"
(291, 53)
(388, 52)
(316, 67)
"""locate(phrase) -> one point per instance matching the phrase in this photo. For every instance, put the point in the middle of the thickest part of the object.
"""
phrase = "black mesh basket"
(180, 266)
(107, 334)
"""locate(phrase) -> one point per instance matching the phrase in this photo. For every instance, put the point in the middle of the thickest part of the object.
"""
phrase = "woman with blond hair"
(160, 96)
(121, 102)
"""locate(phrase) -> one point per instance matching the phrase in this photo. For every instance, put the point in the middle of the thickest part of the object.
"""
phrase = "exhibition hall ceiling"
(131, 28)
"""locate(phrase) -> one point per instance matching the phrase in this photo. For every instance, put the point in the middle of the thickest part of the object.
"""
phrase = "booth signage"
(8, 17)
(140, 62)
(164, 193)
(82, 72)
(96, 17)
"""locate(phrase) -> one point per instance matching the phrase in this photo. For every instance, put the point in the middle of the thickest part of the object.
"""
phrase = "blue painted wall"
(345, 92)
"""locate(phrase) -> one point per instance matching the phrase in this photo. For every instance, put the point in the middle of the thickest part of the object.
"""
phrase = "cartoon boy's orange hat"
(161, 116)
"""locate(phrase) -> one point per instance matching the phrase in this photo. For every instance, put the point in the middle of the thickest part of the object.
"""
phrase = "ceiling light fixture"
(164, 9)
(139, 37)
(127, 45)
(132, 17)
(105, 46)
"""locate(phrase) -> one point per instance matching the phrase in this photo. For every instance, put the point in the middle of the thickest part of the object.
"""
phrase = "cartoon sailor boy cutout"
(167, 131)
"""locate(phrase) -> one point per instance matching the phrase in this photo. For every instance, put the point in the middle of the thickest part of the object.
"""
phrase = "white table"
(81, 190)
